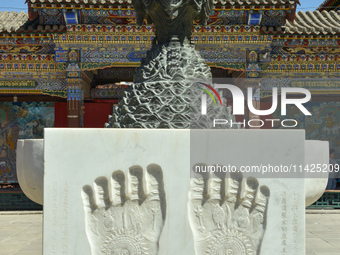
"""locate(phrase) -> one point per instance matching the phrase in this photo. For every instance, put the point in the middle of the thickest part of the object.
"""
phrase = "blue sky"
(309, 5)
(19, 5)
(13, 5)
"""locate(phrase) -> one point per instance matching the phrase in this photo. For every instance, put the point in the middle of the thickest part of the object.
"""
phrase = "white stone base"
(75, 158)
(316, 153)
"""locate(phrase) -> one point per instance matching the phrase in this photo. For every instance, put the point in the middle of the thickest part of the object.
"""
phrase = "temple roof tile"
(82, 1)
(231, 2)
(316, 22)
(326, 4)
(251, 2)
(12, 21)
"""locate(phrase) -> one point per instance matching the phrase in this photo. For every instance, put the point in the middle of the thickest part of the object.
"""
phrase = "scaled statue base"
(164, 95)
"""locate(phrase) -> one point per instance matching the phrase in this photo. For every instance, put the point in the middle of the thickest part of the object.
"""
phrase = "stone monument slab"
(316, 154)
(129, 191)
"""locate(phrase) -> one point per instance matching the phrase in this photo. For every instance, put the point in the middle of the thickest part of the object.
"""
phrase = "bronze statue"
(172, 18)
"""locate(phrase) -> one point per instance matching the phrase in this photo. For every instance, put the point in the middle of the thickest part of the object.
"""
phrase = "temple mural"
(324, 124)
(25, 120)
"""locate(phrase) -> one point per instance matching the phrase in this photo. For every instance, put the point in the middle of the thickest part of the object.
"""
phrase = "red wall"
(95, 116)
(60, 115)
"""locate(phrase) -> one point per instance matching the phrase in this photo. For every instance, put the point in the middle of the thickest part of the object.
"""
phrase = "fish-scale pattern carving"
(165, 93)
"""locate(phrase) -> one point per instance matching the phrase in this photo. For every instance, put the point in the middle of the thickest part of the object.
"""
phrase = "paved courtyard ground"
(323, 232)
(21, 233)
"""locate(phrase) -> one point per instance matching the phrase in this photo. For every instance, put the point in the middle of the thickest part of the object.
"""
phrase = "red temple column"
(74, 106)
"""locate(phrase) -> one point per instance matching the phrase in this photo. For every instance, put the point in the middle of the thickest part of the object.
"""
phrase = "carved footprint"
(227, 217)
(117, 224)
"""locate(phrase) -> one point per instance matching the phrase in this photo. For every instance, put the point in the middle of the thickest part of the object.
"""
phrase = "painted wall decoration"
(324, 124)
(61, 56)
(107, 16)
(230, 18)
(54, 87)
(212, 53)
(315, 85)
(112, 91)
(220, 54)
(20, 121)
(19, 46)
(253, 56)
(273, 18)
(51, 16)
(106, 56)
(73, 55)
(109, 75)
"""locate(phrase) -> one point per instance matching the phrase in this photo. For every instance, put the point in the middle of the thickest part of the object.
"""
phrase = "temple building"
(66, 63)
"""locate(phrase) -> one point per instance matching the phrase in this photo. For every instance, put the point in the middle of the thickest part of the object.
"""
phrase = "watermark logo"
(239, 99)
(204, 96)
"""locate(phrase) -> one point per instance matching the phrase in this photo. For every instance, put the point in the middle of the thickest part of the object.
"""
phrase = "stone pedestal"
(316, 155)
(30, 168)
(124, 190)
